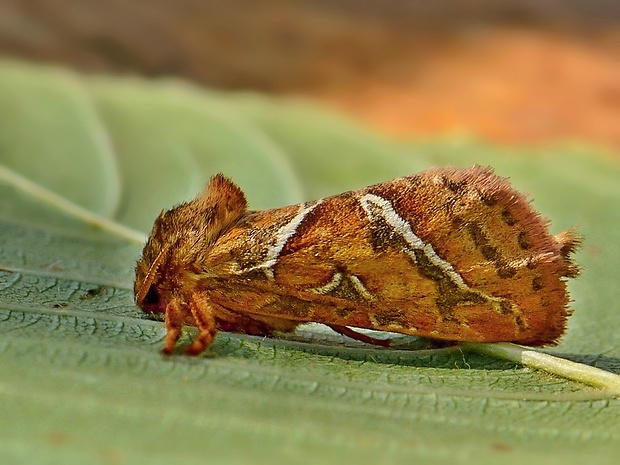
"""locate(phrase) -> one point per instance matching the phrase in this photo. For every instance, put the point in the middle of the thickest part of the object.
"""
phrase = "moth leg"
(346, 331)
(174, 322)
(202, 312)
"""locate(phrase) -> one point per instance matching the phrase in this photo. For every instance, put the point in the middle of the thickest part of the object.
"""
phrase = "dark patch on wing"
(537, 283)
(523, 242)
(458, 187)
(448, 292)
(389, 317)
(508, 218)
(506, 272)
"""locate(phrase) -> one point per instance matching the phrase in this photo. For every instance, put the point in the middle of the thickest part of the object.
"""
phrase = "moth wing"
(450, 254)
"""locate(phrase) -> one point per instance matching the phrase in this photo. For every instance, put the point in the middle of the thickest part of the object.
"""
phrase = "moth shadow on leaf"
(406, 350)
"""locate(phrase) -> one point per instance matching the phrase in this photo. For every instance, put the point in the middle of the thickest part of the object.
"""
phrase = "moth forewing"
(362, 276)
(453, 254)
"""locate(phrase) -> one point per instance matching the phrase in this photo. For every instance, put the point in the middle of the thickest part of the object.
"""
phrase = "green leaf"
(86, 164)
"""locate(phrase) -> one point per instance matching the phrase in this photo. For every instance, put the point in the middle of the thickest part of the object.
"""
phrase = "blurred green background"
(515, 72)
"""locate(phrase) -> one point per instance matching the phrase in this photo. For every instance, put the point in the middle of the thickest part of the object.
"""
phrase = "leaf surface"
(81, 378)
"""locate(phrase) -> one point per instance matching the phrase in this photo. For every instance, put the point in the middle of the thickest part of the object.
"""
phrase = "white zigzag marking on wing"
(371, 203)
(360, 288)
(283, 235)
(376, 206)
(330, 286)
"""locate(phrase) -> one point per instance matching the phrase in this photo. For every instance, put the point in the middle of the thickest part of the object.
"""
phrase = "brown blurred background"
(518, 71)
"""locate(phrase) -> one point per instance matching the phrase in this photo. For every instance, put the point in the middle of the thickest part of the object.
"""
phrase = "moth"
(449, 254)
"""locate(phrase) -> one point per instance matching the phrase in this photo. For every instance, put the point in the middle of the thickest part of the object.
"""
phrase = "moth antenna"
(149, 278)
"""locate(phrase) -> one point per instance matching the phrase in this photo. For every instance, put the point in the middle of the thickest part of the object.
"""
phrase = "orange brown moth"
(450, 254)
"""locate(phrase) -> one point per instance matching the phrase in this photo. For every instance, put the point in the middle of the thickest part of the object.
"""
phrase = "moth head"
(181, 238)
